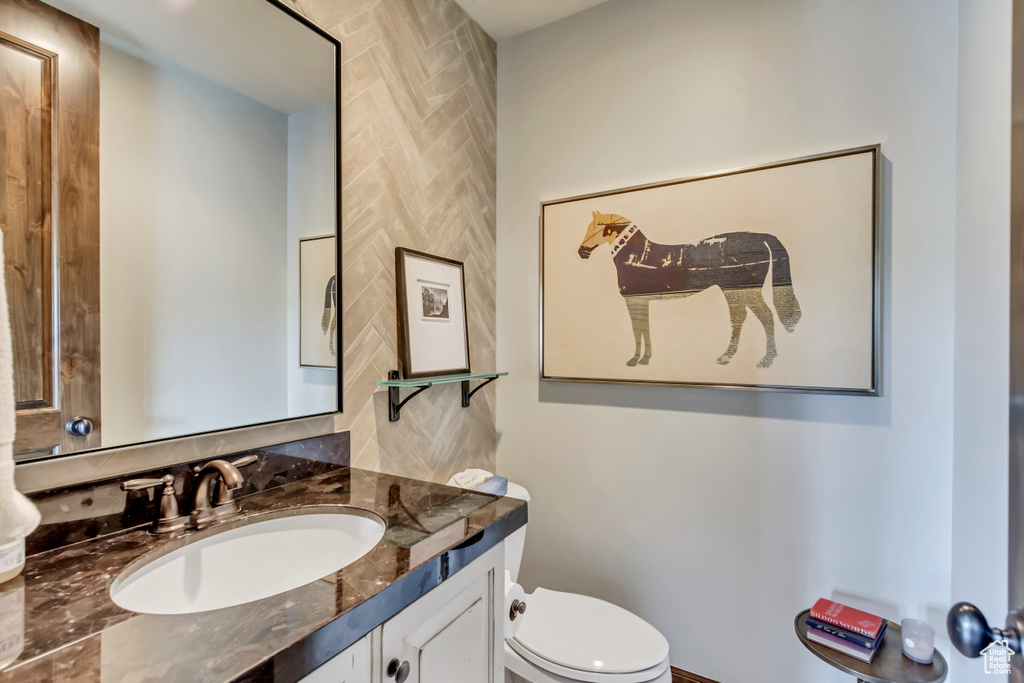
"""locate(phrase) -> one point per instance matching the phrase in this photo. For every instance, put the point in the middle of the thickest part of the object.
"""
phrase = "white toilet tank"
(514, 543)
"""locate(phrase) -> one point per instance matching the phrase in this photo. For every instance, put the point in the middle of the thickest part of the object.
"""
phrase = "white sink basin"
(249, 562)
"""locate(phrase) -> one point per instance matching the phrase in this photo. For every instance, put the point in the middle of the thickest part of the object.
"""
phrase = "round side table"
(889, 665)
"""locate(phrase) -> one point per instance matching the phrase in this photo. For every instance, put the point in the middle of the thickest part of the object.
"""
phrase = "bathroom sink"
(248, 560)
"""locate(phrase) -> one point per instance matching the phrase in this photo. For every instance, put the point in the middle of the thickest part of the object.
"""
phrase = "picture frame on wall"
(318, 302)
(433, 331)
(763, 278)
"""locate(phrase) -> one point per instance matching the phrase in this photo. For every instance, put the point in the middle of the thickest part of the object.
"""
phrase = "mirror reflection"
(186, 307)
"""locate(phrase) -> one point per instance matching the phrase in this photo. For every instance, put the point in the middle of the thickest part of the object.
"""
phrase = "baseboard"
(680, 676)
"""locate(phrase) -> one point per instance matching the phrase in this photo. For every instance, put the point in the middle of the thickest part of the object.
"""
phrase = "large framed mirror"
(164, 160)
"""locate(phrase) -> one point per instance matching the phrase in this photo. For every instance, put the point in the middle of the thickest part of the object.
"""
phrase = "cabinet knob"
(398, 671)
(79, 426)
(518, 607)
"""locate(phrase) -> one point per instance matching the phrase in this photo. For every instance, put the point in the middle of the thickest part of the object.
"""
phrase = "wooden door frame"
(1016, 464)
(74, 49)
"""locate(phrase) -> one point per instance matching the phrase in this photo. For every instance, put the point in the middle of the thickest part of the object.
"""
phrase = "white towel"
(18, 515)
(470, 479)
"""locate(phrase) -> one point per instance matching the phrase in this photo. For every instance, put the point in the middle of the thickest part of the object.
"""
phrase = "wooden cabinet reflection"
(49, 214)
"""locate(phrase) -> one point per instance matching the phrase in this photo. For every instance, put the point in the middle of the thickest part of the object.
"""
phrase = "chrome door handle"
(79, 426)
(970, 633)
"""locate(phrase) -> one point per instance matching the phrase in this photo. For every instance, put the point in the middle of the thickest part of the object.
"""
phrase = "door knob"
(970, 633)
(397, 671)
(79, 426)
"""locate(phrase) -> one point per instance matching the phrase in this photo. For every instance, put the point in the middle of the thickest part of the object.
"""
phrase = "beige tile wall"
(419, 107)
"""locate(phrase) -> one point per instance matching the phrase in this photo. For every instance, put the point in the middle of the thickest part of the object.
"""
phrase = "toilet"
(570, 638)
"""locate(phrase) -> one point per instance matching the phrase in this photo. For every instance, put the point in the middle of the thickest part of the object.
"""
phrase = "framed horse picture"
(318, 303)
(759, 278)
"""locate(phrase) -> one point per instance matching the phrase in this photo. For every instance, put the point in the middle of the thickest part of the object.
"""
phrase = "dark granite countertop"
(73, 632)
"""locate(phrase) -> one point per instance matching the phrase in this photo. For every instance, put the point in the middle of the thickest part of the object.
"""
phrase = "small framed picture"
(318, 303)
(433, 334)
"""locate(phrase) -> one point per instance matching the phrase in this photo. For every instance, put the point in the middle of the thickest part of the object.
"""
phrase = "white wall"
(193, 291)
(981, 375)
(311, 213)
(716, 515)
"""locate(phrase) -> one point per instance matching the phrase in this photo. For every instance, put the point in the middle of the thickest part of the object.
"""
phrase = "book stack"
(845, 629)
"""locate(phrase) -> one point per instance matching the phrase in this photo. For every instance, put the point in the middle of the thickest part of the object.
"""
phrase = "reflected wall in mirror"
(163, 160)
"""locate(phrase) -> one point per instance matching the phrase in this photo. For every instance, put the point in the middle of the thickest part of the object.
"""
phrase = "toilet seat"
(539, 670)
(581, 638)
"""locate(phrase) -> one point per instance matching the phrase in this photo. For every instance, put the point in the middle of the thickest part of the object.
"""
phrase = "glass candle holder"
(918, 641)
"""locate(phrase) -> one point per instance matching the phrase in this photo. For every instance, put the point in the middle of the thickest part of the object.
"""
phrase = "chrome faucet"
(223, 504)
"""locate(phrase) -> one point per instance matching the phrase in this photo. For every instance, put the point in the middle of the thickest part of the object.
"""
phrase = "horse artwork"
(329, 320)
(739, 263)
(791, 247)
(319, 315)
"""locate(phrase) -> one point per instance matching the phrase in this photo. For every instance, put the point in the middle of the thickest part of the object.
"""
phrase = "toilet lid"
(587, 634)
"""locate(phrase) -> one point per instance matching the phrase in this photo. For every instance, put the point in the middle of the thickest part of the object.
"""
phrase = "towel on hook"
(470, 479)
(18, 515)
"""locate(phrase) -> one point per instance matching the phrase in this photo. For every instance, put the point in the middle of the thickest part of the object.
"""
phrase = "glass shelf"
(441, 379)
(421, 384)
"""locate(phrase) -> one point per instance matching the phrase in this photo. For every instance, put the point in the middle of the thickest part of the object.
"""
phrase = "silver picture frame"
(873, 365)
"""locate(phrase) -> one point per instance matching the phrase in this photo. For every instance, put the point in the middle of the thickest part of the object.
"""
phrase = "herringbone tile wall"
(419, 102)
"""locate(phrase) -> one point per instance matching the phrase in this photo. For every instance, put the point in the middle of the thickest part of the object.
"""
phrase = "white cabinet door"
(450, 634)
(459, 653)
(351, 666)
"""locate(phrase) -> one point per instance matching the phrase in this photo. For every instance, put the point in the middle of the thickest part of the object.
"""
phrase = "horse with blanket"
(737, 262)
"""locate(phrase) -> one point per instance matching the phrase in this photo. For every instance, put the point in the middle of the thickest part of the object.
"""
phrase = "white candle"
(918, 640)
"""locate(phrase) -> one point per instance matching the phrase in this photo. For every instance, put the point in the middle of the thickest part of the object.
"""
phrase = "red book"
(849, 618)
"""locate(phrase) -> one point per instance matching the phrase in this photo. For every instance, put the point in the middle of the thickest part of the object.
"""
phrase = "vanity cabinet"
(453, 634)
(449, 635)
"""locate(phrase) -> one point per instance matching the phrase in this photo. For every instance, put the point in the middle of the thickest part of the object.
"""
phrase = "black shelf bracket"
(394, 405)
(467, 394)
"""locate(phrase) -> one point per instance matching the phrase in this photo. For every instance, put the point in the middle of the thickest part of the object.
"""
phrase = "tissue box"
(495, 485)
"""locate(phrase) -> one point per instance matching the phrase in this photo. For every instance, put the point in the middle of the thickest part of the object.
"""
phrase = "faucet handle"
(244, 460)
(140, 484)
(241, 462)
(169, 518)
